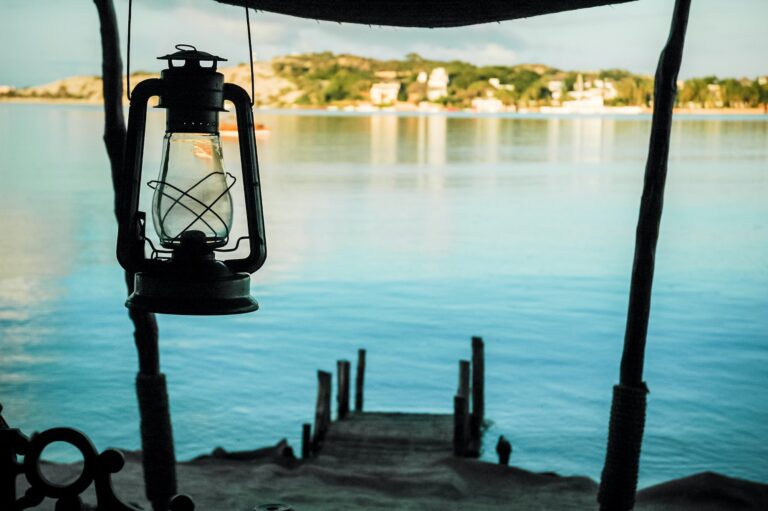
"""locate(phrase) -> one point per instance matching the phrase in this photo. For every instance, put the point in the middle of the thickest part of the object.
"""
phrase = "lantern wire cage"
(178, 196)
(219, 242)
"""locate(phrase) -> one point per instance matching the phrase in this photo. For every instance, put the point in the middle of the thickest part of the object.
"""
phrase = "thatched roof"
(419, 13)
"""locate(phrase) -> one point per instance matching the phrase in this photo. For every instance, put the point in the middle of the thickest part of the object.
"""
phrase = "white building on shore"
(437, 85)
(488, 104)
(384, 93)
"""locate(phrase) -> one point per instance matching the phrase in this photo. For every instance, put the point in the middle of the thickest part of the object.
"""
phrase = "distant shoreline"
(724, 112)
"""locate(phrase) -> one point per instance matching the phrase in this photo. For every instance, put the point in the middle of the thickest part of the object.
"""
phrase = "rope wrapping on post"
(158, 456)
(625, 437)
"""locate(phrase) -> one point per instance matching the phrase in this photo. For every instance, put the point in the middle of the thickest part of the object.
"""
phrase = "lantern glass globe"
(192, 190)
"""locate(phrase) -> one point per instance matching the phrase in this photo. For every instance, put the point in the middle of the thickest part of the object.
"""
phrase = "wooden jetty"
(390, 436)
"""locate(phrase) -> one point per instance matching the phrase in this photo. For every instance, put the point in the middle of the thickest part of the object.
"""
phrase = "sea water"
(407, 235)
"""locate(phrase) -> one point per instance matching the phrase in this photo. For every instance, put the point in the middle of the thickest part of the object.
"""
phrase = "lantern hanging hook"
(188, 47)
(250, 47)
(128, 51)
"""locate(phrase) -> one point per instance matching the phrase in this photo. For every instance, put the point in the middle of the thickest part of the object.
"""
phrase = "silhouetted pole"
(618, 483)
(359, 380)
(463, 389)
(478, 389)
(156, 433)
(306, 441)
(342, 396)
(460, 422)
(503, 450)
(322, 408)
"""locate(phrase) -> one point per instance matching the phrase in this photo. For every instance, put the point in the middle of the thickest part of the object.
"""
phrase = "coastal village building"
(716, 93)
(586, 97)
(589, 90)
(437, 85)
(487, 105)
(496, 84)
(384, 93)
(556, 89)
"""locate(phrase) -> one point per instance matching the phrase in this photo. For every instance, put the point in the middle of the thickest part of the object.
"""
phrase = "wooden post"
(306, 441)
(342, 396)
(460, 419)
(159, 459)
(323, 408)
(618, 483)
(478, 388)
(359, 380)
(463, 379)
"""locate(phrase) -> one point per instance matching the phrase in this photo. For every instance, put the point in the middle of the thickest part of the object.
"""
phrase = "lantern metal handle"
(251, 185)
(130, 245)
(130, 239)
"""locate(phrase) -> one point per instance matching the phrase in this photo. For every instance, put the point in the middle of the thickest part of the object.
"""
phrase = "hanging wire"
(250, 48)
(128, 53)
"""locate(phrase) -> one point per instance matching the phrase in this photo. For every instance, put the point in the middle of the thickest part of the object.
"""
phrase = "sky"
(44, 40)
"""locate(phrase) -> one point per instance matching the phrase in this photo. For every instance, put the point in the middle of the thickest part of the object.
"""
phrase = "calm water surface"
(408, 235)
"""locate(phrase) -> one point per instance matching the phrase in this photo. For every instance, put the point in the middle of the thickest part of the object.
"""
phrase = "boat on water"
(228, 129)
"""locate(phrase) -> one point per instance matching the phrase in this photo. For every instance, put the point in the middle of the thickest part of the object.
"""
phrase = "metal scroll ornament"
(97, 470)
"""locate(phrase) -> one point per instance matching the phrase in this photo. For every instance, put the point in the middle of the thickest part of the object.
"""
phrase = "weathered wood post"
(306, 441)
(618, 483)
(478, 389)
(359, 380)
(342, 396)
(463, 392)
(463, 379)
(322, 409)
(460, 421)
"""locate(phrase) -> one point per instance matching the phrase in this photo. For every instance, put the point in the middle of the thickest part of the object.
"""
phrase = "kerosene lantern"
(192, 207)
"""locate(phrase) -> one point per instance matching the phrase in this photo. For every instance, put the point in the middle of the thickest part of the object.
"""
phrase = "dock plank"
(389, 436)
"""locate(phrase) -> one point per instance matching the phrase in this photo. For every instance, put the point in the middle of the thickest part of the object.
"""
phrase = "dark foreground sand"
(423, 483)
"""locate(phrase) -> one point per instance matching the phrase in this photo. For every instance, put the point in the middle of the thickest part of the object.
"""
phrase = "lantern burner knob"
(193, 247)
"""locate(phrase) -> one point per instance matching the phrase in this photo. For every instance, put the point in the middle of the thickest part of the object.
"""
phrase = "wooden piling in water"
(478, 388)
(460, 422)
(463, 379)
(323, 408)
(359, 380)
(342, 396)
(306, 441)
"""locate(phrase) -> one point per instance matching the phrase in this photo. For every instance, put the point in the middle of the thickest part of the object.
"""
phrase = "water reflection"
(439, 140)
(383, 132)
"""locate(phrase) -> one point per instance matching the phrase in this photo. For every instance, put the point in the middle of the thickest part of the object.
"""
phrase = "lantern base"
(173, 292)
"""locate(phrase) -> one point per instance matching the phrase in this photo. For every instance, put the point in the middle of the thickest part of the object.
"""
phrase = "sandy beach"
(421, 482)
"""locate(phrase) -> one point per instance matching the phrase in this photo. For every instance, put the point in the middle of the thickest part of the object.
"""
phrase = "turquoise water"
(407, 235)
